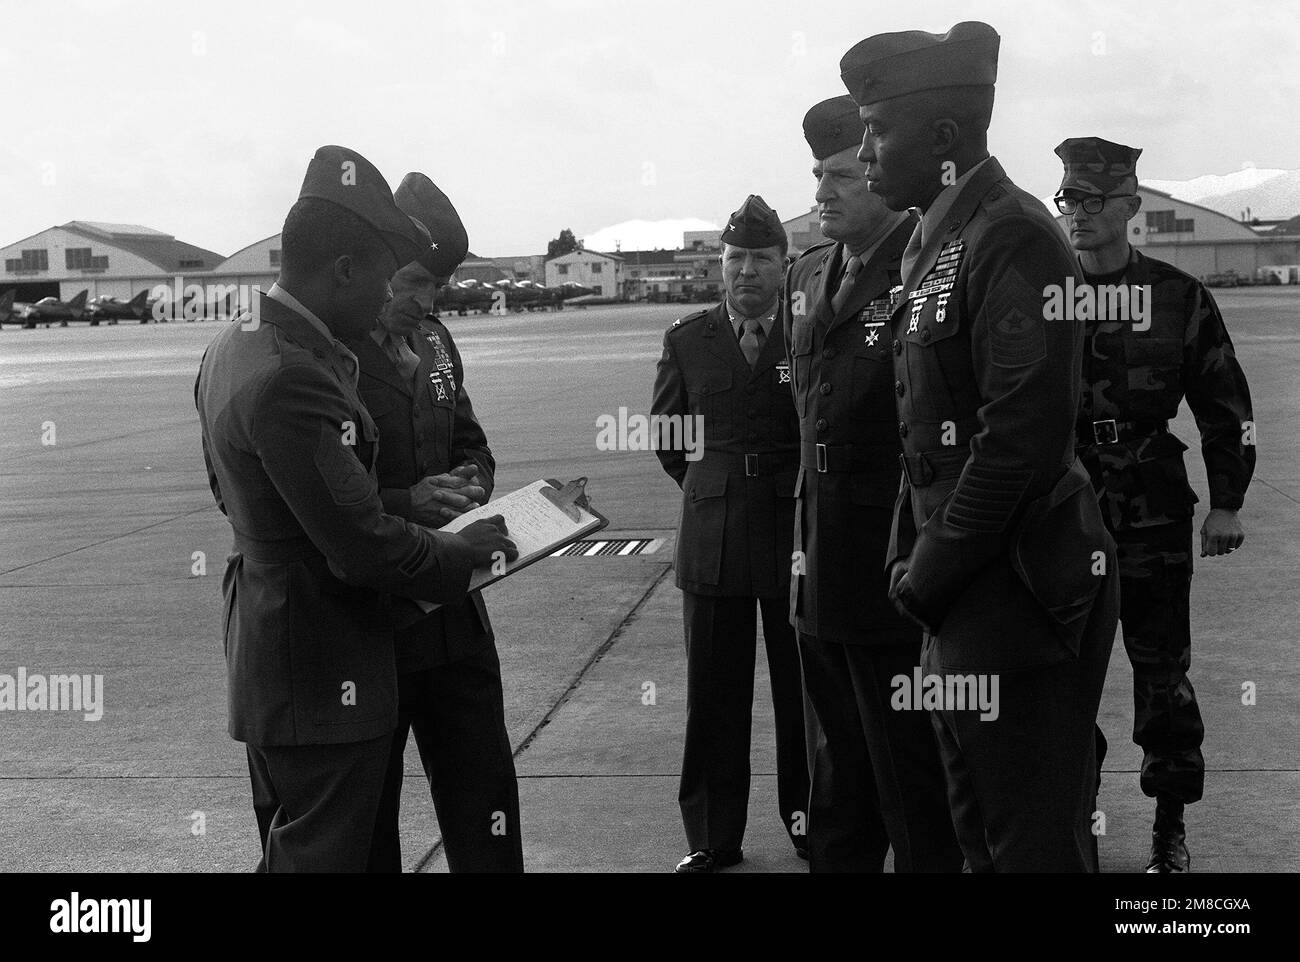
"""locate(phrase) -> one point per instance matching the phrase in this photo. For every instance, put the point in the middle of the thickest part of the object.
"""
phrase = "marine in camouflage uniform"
(1137, 369)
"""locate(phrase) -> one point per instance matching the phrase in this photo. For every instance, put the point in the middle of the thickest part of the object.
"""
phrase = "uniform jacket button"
(898, 346)
(902, 429)
(925, 335)
(826, 389)
(822, 424)
(829, 353)
(899, 389)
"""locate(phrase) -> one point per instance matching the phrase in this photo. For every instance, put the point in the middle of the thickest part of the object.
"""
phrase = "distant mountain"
(644, 235)
(1270, 194)
(1212, 185)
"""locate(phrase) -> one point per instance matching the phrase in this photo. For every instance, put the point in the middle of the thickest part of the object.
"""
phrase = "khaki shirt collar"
(943, 202)
(278, 293)
(765, 321)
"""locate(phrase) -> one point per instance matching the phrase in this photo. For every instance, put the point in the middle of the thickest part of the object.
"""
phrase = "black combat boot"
(1169, 839)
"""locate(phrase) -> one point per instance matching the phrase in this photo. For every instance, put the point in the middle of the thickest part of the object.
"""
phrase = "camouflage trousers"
(1155, 567)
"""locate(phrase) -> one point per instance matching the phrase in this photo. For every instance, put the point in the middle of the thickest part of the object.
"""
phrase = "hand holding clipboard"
(540, 519)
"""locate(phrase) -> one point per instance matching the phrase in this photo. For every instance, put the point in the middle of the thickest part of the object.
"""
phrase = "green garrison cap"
(894, 64)
(1098, 167)
(754, 225)
(420, 198)
(833, 125)
(342, 176)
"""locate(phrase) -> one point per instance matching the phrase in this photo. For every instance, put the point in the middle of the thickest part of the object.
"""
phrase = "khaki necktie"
(404, 359)
(751, 339)
(846, 285)
(912, 253)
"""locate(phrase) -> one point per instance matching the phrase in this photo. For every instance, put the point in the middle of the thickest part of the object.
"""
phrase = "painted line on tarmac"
(423, 864)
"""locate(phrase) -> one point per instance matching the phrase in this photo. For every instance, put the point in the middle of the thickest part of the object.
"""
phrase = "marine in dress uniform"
(1136, 372)
(998, 548)
(727, 366)
(290, 450)
(876, 775)
(434, 462)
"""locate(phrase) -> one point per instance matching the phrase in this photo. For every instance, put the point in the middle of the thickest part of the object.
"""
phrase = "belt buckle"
(751, 465)
(821, 459)
(1105, 432)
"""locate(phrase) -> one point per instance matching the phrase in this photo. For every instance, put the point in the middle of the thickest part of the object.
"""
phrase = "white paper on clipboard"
(534, 522)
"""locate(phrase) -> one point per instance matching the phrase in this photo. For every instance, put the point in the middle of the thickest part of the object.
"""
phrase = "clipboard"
(541, 518)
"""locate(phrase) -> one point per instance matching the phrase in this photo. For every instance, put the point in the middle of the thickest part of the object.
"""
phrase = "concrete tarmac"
(112, 551)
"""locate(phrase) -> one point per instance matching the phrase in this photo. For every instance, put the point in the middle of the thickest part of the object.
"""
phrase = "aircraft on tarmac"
(506, 295)
(465, 296)
(523, 294)
(49, 309)
(108, 308)
(566, 291)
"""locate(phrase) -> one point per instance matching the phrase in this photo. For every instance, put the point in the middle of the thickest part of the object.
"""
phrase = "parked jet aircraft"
(49, 309)
(108, 308)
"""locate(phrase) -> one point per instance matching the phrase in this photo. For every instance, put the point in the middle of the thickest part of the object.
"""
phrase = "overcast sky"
(199, 119)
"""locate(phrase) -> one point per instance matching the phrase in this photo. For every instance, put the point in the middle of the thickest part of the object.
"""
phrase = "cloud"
(641, 235)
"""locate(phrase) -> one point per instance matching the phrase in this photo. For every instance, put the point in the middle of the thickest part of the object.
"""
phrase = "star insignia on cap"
(433, 247)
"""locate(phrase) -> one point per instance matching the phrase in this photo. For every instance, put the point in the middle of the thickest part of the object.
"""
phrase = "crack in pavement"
(103, 541)
(425, 860)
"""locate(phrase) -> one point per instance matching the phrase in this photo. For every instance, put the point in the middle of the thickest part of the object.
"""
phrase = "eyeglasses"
(1090, 205)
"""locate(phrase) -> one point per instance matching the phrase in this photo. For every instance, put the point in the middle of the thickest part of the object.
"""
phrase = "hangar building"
(114, 259)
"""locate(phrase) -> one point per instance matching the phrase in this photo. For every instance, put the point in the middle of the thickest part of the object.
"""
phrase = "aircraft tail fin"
(138, 302)
(78, 302)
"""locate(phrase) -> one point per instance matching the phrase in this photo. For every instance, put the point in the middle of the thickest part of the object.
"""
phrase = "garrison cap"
(754, 225)
(420, 198)
(894, 64)
(833, 125)
(343, 177)
(1098, 167)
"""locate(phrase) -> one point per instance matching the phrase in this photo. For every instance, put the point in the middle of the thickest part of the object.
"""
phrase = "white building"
(114, 259)
(603, 273)
(256, 265)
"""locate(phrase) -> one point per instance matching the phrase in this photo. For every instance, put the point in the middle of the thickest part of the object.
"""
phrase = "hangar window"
(1161, 221)
(562, 268)
(597, 268)
(275, 258)
(31, 260)
(1185, 226)
(191, 262)
(80, 259)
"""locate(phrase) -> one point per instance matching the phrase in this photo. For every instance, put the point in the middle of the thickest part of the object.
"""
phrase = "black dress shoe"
(1169, 840)
(708, 860)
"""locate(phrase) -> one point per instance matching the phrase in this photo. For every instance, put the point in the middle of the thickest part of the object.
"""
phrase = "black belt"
(1111, 431)
(928, 467)
(845, 458)
(276, 552)
(760, 464)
